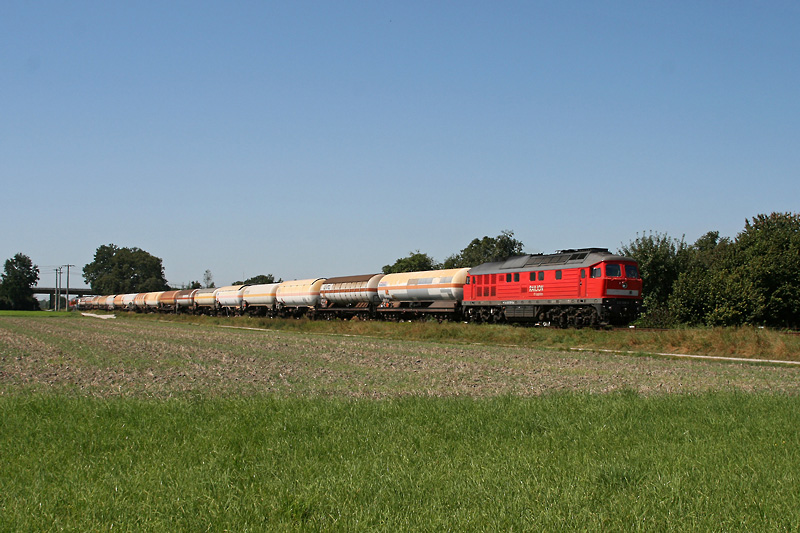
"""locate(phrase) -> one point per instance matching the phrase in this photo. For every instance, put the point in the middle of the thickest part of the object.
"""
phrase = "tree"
(752, 280)
(18, 279)
(261, 279)
(697, 292)
(767, 260)
(416, 261)
(124, 270)
(486, 250)
(208, 279)
(661, 260)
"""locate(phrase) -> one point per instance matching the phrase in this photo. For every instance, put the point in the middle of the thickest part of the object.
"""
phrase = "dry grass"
(149, 358)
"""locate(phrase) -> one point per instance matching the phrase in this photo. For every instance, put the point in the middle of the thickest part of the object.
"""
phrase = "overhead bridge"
(73, 291)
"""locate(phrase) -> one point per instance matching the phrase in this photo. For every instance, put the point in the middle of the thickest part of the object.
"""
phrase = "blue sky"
(316, 139)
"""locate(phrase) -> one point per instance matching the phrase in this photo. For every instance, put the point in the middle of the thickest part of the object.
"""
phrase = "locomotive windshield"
(615, 271)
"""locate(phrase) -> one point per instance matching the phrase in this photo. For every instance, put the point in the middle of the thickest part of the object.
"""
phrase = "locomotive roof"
(582, 257)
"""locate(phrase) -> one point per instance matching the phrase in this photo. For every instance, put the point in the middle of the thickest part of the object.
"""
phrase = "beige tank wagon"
(205, 300)
(151, 300)
(298, 297)
(260, 299)
(408, 295)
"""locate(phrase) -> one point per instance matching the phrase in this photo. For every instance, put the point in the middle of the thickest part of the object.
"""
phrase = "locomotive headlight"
(624, 284)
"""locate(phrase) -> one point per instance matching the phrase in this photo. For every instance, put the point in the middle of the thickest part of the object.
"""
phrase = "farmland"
(149, 425)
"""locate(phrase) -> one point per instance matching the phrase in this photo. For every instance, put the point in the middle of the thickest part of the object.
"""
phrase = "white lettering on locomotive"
(536, 290)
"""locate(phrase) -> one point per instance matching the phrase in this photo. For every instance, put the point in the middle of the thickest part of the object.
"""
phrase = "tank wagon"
(298, 297)
(167, 301)
(230, 298)
(435, 293)
(571, 288)
(260, 299)
(204, 301)
(350, 296)
(184, 300)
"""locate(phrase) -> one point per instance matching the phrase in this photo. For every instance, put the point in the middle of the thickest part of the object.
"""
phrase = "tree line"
(752, 279)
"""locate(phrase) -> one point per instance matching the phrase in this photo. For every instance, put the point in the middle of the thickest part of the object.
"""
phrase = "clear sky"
(318, 139)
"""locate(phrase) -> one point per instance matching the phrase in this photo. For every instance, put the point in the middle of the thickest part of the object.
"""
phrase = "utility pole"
(60, 284)
(68, 284)
(57, 304)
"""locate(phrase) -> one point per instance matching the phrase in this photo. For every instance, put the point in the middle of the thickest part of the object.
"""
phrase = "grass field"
(138, 424)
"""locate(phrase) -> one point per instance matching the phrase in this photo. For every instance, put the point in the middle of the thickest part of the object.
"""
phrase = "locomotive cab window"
(558, 274)
(596, 273)
(631, 272)
(613, 271)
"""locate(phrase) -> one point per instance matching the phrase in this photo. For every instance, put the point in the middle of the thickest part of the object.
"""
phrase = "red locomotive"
(585, 287)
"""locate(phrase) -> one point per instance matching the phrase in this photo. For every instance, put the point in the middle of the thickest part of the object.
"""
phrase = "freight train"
(587, 287)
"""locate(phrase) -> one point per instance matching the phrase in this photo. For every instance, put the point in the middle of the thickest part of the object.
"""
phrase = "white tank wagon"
(260, 299)
(348, 296)
(127, 301)
(230, 297)
(107, 302)
(434, 292)
(298, 297)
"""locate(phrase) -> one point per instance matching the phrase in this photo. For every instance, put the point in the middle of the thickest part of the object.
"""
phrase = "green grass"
(723, 461)
(141, 425)
(39, 314)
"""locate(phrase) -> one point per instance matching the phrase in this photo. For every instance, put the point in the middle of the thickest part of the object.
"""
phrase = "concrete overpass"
(73, 291)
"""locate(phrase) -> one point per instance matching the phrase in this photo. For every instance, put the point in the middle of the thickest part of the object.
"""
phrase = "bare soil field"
(135, 358)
